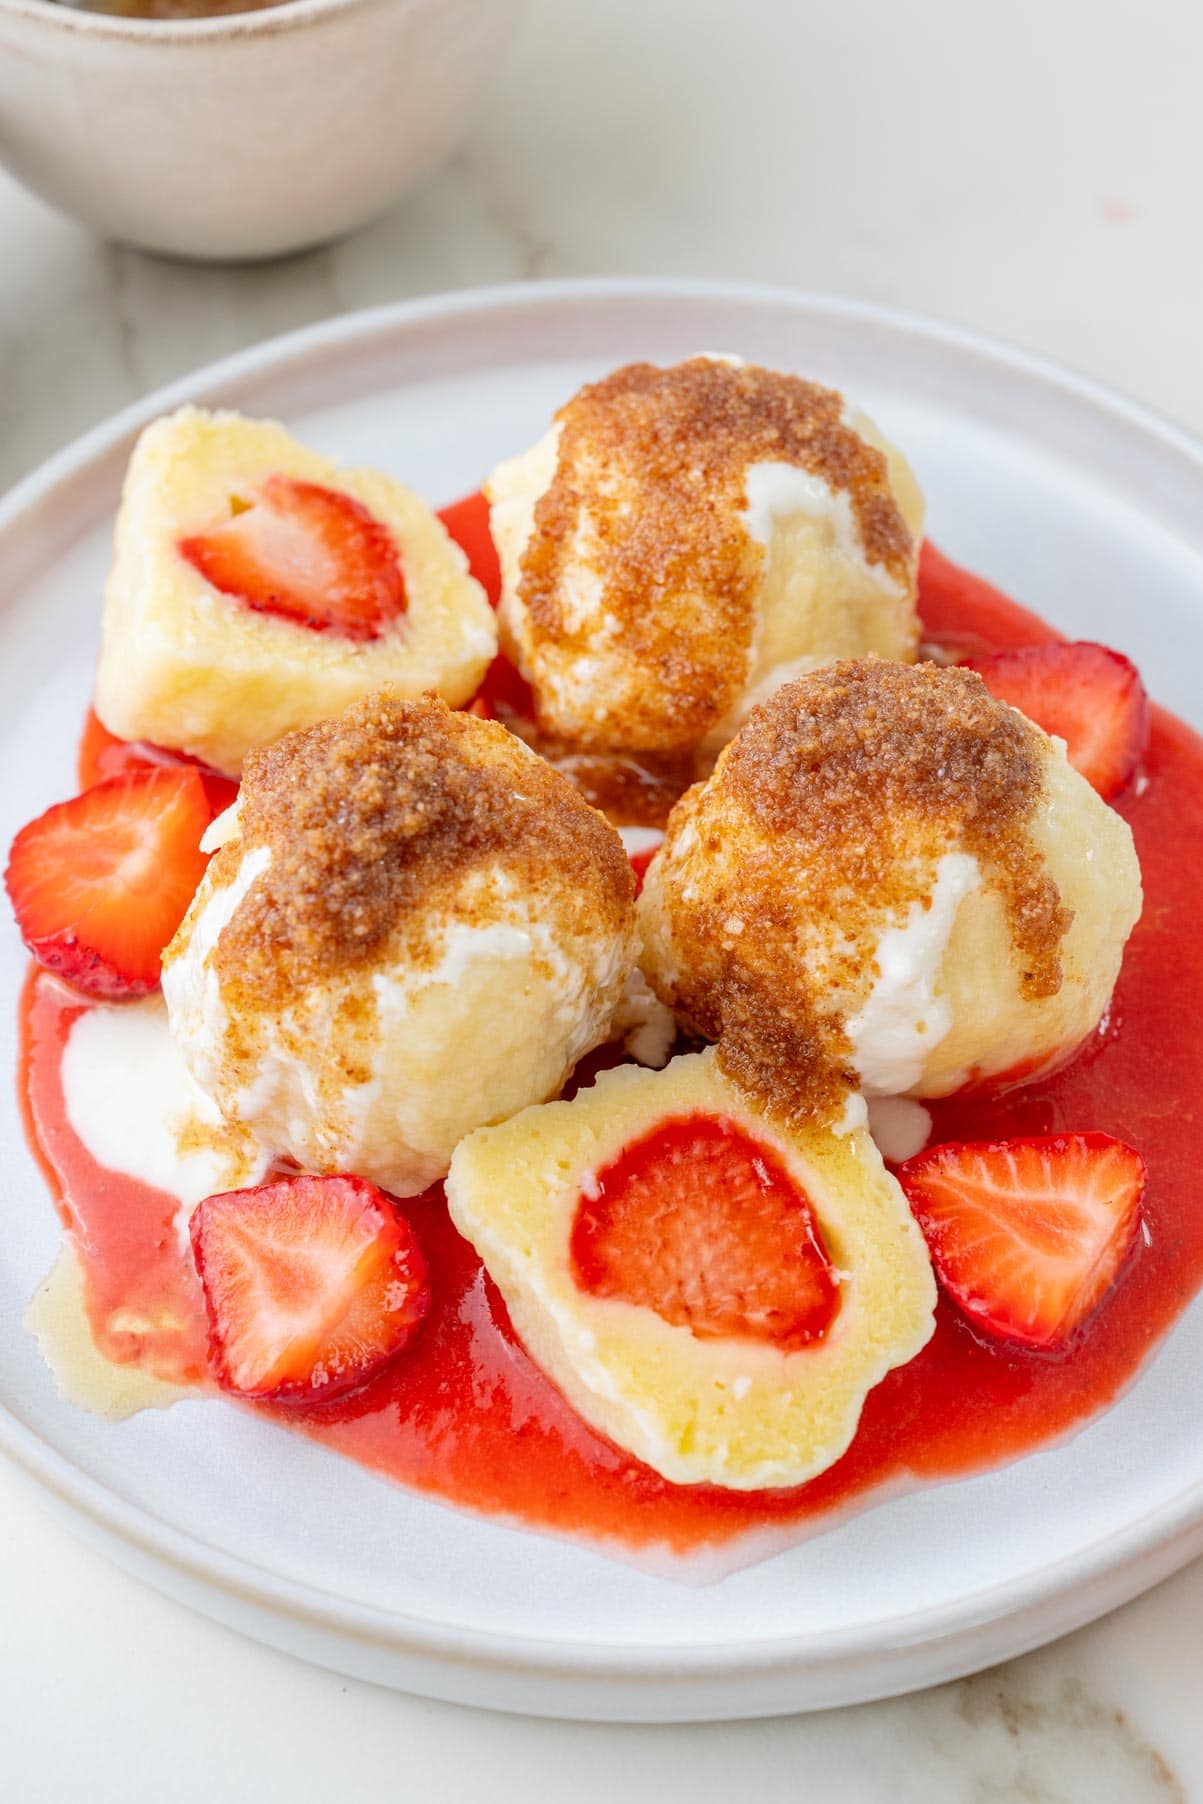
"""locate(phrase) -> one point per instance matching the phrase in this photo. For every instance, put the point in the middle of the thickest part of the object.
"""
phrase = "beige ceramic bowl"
(244, 136)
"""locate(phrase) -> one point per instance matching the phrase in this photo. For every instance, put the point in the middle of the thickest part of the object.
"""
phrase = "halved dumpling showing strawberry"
(716, 1296)
(258, 588)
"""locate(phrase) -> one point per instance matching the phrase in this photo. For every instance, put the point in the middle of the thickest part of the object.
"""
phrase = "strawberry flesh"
(703, 1224)
(468, 523)
(308, 553)
(103, 755)
(639, 864)
(311, 1286)
(1089, 696)
(100, 884)
(1027, 1236)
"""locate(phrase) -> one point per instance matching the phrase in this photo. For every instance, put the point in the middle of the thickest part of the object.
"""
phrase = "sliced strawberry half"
(102, 755)
(1027, 1236)
(1089, 696)
(703, 1224)
(99, 884)
(468, 523)
(306, 552)
(311, 1286)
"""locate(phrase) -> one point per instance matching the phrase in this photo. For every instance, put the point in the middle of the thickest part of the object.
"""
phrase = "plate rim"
(1105, 1573)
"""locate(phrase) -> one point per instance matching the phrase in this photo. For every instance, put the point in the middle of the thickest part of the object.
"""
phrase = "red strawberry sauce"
(466, 1416)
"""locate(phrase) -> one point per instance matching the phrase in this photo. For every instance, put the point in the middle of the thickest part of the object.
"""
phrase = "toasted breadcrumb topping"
(377, 820)
(833, 806)
(649, 492)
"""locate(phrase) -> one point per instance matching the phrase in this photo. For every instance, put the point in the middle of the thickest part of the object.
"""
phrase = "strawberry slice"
(639, 864)
(102, 755)
(1089, 696)
(1027, 1236)
(311, 1286)
(308, 553)
(99, 884)
(642, 844)
(506, 692)
(702, 1224)
(468, 523)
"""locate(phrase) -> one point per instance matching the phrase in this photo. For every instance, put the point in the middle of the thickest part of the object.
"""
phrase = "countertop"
(1029, 170)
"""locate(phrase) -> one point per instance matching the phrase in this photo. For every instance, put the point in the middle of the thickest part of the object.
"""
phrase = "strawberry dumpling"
(416, 927)
(891, 879)
(683, 540)
(715, 1294)
(257, 588)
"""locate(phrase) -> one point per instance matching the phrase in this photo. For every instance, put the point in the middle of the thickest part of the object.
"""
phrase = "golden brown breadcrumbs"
(375, 820)
(657, 458)
(855, 779)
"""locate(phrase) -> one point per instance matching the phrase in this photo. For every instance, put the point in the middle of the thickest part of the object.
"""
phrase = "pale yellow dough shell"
(996, 1031)
(736, 1413)
(186, 667)
(817, 604)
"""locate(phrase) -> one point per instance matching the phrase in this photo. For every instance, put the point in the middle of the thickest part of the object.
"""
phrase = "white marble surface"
(1031, 170)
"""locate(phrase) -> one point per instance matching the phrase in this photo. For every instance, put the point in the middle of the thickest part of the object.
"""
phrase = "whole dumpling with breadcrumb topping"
(890, 879)
(416, 927)
(684, 540)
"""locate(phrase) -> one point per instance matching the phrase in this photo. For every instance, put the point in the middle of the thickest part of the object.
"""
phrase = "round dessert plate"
(1078, 504)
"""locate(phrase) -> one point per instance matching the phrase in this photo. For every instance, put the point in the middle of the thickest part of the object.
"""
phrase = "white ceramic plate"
(1080, 505)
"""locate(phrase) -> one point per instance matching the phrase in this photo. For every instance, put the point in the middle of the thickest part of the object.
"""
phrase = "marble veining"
(1046, 1731)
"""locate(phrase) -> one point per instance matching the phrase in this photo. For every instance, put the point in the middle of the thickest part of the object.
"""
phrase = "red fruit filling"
(702, 1224)
(308, 553)
(1028, 1235)
(99, 884)
(311, 1286)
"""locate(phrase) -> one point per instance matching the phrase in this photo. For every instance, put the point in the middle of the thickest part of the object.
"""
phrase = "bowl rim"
(272, 20)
